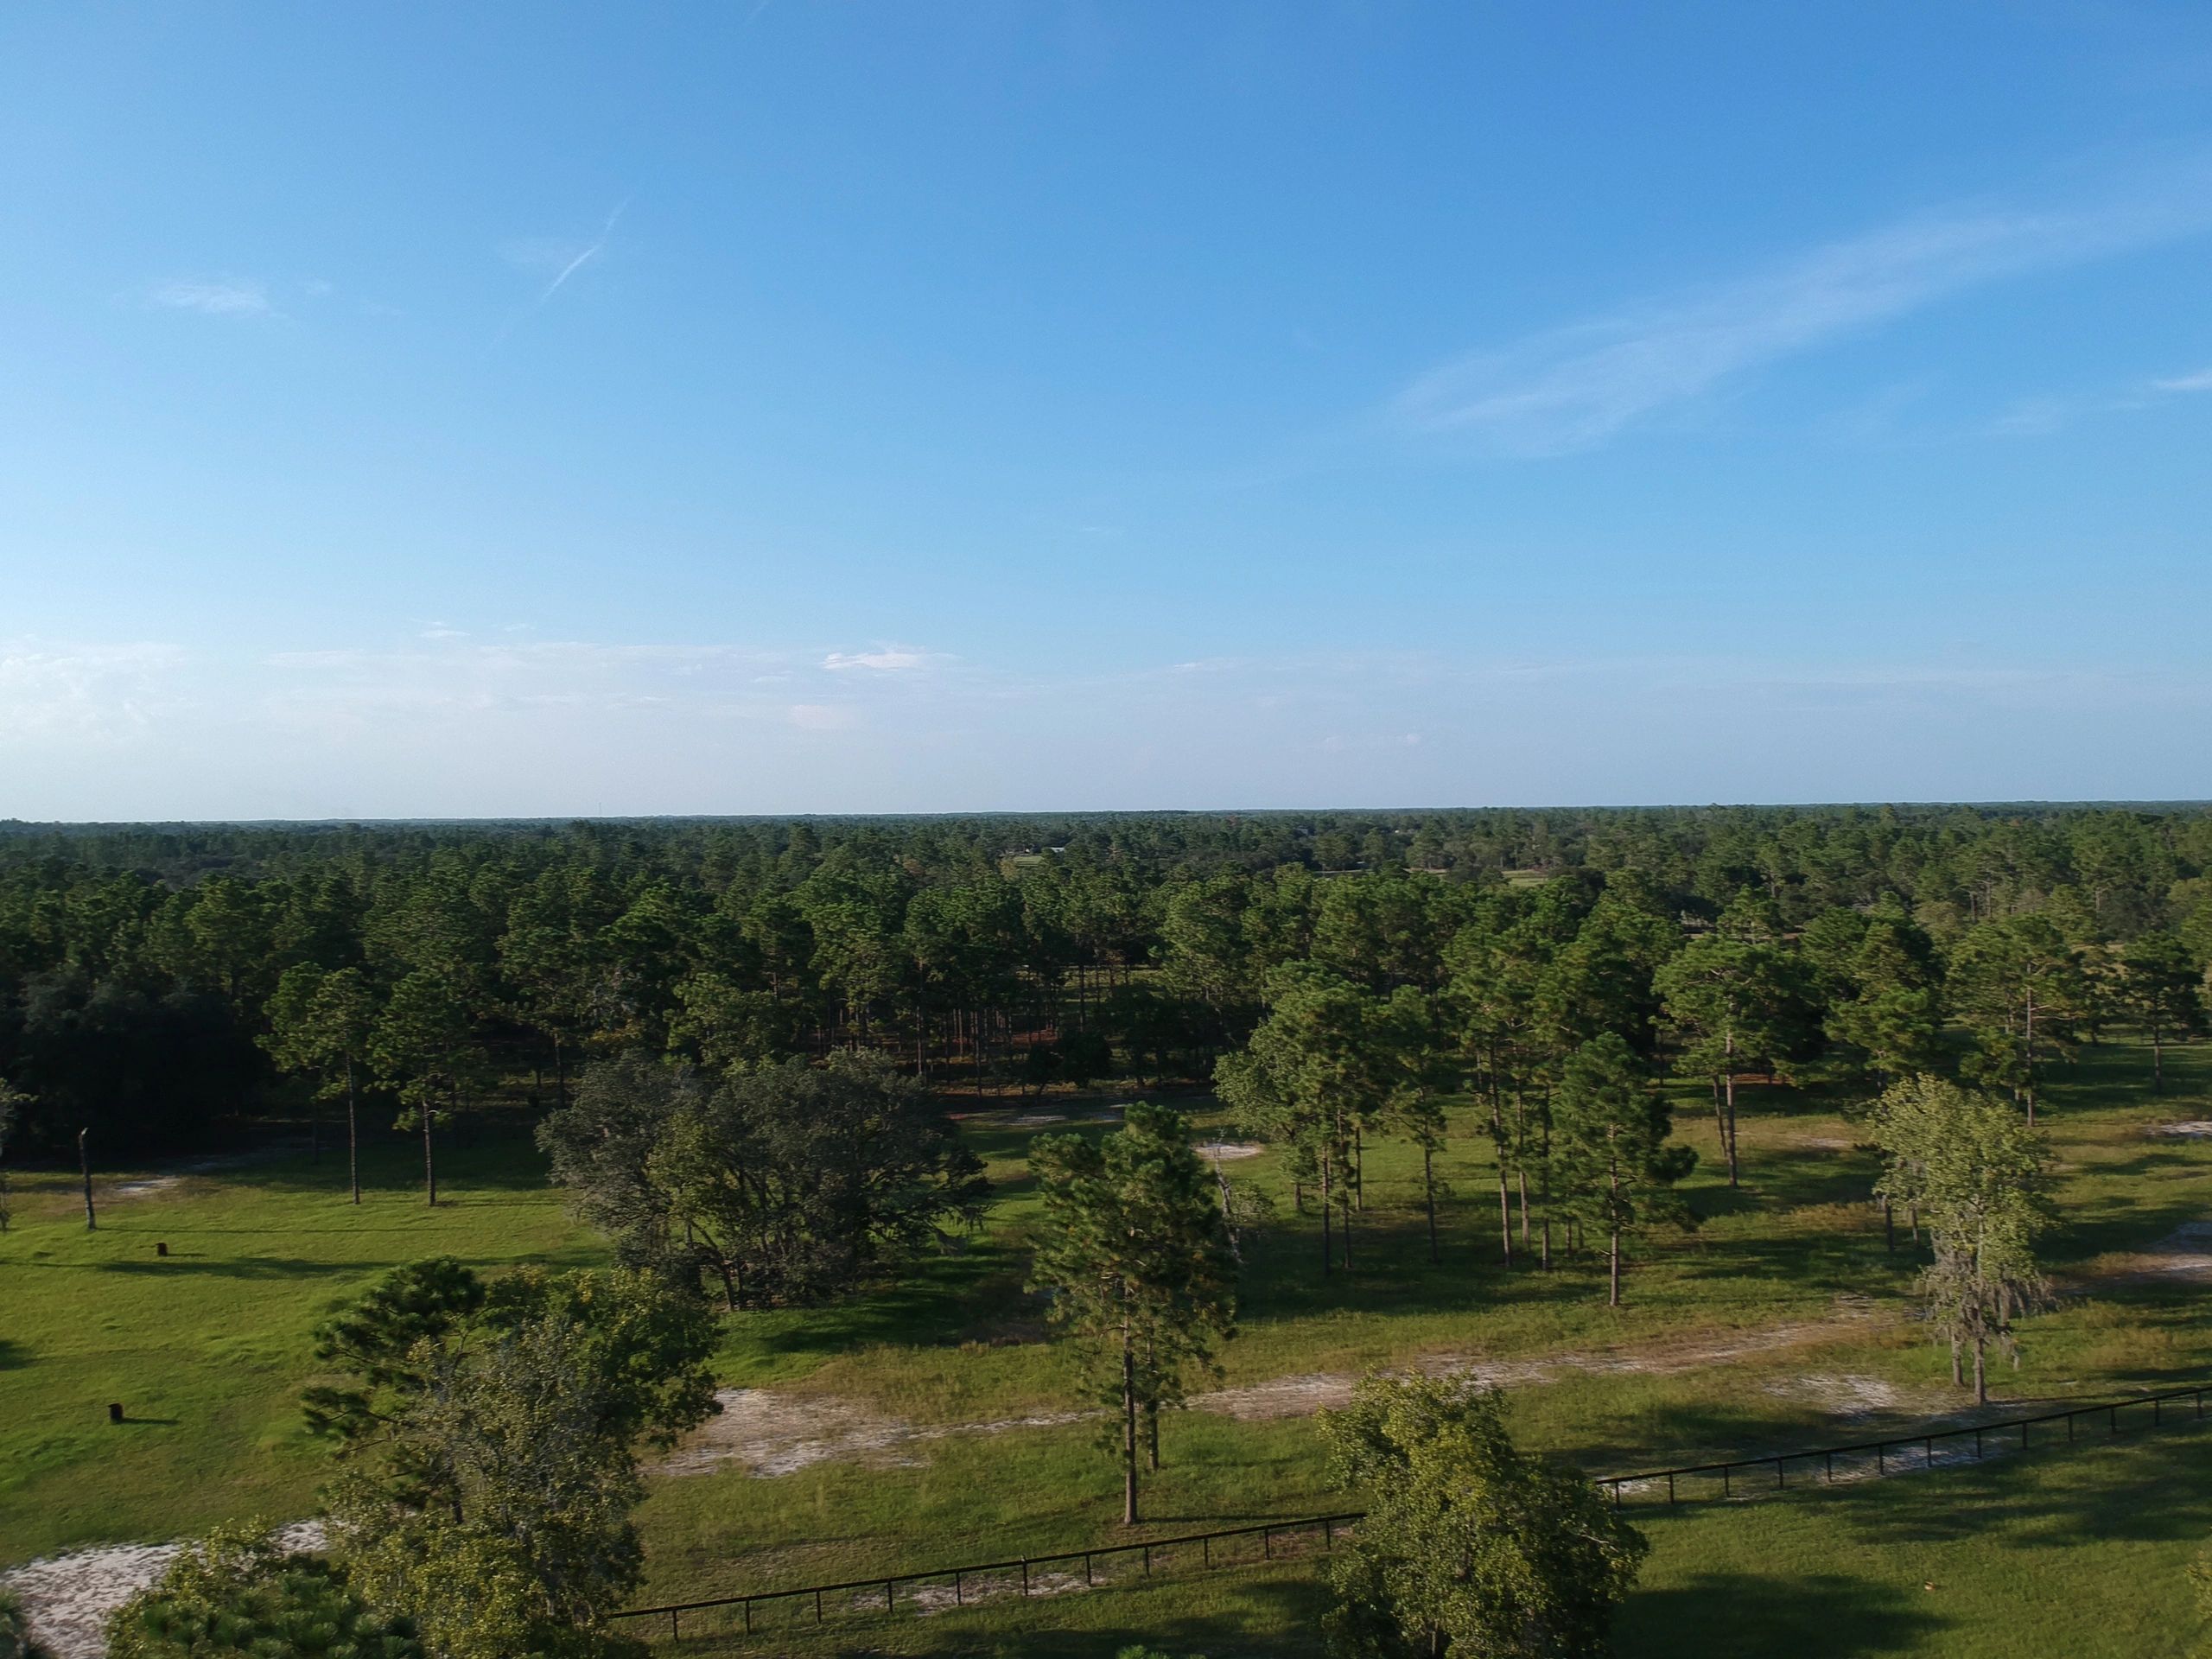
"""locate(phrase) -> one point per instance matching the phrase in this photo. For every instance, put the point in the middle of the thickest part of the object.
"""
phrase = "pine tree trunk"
(1504, 1212)
(1981, 1379)
(352, 1134)
(1129, 1429)
(1428, 1189)
(1328, 1243)
(1614, 1176)
(1730, 1091)
(85, 1168)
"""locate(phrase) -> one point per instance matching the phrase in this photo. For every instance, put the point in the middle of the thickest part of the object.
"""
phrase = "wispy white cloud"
(2200, 381)
(884, 659)
(80, 692)
(1577, 386)
(227, 299)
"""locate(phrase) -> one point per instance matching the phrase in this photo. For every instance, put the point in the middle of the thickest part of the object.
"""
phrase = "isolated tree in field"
(489, 1465)
(1322, 1065)
(420, 1047)
(1469, 1546)
(2163, 986)
(321, 1023)
(1134, 1255)
(1980, 1178)
(1614, 1166)
(789, 1184)
(1491, 1002)
(237, 1592)
(1738, 1004)
(2017, 987)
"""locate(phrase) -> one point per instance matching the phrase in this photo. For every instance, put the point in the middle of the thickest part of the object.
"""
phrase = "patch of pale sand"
(1300, 1396)
(2195, 1128)
(147, 1184)
(1825, 1142)
(1839, 1393)
(1036, 1120)
(943, 1598)
(2185, 1253)
(68, 1599)
(771, 1433)
(1228, 1152)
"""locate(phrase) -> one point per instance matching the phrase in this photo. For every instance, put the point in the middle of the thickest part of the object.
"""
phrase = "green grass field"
(207, 1347)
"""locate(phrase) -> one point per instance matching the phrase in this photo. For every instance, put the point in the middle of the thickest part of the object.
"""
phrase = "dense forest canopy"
(143, 968)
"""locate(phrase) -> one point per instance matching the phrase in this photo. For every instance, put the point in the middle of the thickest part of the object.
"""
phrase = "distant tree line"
(157, 984)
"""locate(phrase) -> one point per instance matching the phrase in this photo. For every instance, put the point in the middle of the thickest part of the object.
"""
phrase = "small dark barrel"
(161, 1250)
(114, 1413)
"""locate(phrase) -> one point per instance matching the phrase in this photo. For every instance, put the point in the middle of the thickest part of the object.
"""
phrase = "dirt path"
(768, 1433)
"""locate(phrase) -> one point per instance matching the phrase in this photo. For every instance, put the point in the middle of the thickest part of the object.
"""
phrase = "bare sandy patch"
(1226, 1152)
(768, 1434)
(2195, 1128)
(1839, 1394)
(69, 1598)
(2185, 1253)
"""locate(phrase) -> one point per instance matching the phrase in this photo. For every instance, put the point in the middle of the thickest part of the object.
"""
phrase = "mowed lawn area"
(1781, 1322)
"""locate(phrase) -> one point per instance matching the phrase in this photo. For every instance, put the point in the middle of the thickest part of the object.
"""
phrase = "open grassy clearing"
(208, 1348)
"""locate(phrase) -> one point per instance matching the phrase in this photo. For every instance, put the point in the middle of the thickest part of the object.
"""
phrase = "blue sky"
(774, 407)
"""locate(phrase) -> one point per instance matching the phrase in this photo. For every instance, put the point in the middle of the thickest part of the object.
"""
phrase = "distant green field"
(207, 1347)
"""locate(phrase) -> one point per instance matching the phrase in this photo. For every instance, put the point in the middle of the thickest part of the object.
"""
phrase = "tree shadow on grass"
(1826, 1616)
(2147, 1488)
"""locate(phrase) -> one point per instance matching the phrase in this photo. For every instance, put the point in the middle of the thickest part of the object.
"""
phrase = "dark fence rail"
(1023, 1576)
(1898, 1454)
(1735, 1478)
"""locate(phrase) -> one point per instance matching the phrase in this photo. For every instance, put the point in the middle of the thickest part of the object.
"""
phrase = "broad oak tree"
(1469, 1546)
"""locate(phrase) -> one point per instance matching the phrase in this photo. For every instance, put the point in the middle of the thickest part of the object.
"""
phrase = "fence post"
(672, 1631)
(1025, 1575)
(1670, 1489)
(1147, 1561)
(956, 1590)
(748, 1615)
(1830, 1474)
(1724, 1480)
(889, 1606)
(1206, 1550)
(1267, 1543)
(1328, 1534)
(818, 1606)
(1977, 1444)
(1086, 1569)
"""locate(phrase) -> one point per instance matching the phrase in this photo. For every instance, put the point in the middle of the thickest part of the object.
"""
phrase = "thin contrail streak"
(598, 247)
(589, 254)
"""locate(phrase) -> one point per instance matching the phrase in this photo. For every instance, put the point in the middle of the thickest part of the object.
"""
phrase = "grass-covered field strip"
(208, 1348)
(2082, 1553)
